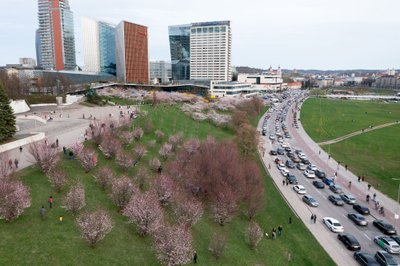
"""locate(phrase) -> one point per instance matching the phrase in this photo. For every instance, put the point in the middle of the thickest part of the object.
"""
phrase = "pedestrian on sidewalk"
(367, 198)
(280, 228)
(57, 143)
(20, 149)
(283, 182)
(16, 163)
(345, 167)
(376, 205)
(349, 184)
(374, 196)
(312, 218)
(359, 178)
(51, 202)
(319, 152)
(369, 186)
(287, 183)
(42, 212)
(329, 156)
(315, 218)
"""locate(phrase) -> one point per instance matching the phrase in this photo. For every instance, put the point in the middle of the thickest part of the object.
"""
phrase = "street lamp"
(396, 215)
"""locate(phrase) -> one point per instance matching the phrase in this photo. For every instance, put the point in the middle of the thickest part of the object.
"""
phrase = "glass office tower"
(179, 41)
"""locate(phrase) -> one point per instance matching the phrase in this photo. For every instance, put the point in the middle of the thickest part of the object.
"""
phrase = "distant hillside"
(249, 70)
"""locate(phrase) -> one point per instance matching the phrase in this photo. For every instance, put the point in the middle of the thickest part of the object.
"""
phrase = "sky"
(301, 34)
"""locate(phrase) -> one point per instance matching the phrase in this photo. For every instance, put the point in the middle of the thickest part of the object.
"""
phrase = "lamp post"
(396, 215)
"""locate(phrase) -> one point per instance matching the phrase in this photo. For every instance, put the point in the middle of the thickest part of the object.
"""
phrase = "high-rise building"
(98, 46)
(201, 51)
(38, 50)
(160, 71)
(210, 51)
(179, 41)
(131, 53)
(56, 35)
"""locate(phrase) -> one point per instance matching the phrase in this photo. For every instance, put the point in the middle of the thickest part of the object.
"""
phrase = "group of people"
(42, 211)
(274, 231)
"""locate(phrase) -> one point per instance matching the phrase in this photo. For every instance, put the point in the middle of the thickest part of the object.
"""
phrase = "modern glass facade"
(107, 48)
(67, 24)
(179, 41)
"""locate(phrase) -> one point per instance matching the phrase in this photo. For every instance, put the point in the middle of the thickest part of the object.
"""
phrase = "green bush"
(40, 98)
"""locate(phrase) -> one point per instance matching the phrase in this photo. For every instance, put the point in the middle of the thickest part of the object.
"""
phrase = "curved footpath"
(356, 133)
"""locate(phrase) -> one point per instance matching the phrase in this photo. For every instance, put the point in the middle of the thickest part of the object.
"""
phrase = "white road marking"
(319, 192)
(367, 237)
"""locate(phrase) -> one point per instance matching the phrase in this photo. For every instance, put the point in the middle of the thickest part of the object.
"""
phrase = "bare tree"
(145, 212)
(57, 179)
(124, 160)
(14, 198)
(75, 199)
(253, 190)
(94, 226)
(217, 245)
(138, 133)
(44, 155)
(122, 190)
(254, 234)
(247, 138)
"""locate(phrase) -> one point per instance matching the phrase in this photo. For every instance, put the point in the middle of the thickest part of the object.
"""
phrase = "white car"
(280, 140)
(281, 166)
(285, 172)
(312, 167)
(302, 156)
(301, 166)
(333, 224)
(299, 189)
(284, 145)
(309, 173)
(271, 137)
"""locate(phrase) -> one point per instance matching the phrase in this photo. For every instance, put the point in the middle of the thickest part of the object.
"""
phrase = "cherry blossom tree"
(187, 210)
(140, 151)
(173, 245)
(159, 135)
(253, 190)
(191, 146)
(88, 159)
(94, 226)
(176, 140)
(122, 190)
(164, 187)
(155, 164)
(141, 177)
(254, 234)
(217, 245)
(224, 205)
(110, 146)
(44, 155)
(14, 198)
(104, 177)
(124, 160)
(138, 133)
(126, 137)
(165, 150)
(247, 138)
(57, 179)
(75, 199)
(145, 212)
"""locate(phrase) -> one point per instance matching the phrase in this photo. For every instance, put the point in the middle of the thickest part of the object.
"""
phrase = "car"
(348, 198)
(312, 167)
(318, 184)
(284, 172)
(336, 200)
(384, 227)
(264, 132)
(299, 189)
(292, 179)
(384, 258)
(328, 181)
(336, 189)
(273, 152)
(301, 166)
(287, 149)
(290, 164)
(272, 137)
(296, 159)
(305, 161)
(281, 166)
(361, 209)
(387, 244)
(349, 241)
(309, 173)
(320, 174)
(396, 238)
(290, 154)
(278, 160)
(309, 200)
(284, 145)
(280, 151)
(357, 219)
(364, 258)
(333, 224)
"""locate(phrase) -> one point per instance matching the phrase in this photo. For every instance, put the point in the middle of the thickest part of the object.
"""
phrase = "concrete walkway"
(356, 133)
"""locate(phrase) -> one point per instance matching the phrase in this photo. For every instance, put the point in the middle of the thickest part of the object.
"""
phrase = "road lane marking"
(367, 237)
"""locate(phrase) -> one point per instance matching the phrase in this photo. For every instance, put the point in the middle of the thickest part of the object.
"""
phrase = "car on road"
(272, 137)
(278, 160)
(273, 152)
(328, 181)
(309, 200)
(336, 189)
(387, 244)
(281, 166)
(361, 209)
(301, 166)
(280, 151)
(284, 145)
(318, 184)
(384, 258)
(312, 167)
(320, 174)
(296, 160)
(333, 224)
(348, 198)
(284, 172)
(364, 258)
(358, 219)
(290, 164)
(305, 161)
(309, 173)
(396, 238)
(292, 179)
(384, 227)
(299, 189)
(349, 241)
(336, 200)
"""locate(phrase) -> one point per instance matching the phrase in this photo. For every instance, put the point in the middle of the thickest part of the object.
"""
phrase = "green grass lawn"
(325, 119)
(28, 240)
(375, 155)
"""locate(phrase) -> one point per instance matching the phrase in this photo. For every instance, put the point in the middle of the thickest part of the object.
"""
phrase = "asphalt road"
(327, 239)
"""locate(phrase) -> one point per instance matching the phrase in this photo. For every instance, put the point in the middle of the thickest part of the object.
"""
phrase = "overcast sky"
(302, 34)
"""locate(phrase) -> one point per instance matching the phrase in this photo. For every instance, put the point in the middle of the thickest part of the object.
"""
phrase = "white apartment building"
(210, 51)
(160, 72)
(269, 80)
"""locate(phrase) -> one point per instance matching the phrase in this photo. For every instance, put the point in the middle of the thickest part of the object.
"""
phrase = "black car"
(273, 152)
(305, 161)
(292, 179)
(290, 154)
(396, 238)
(357, 219)
(365, 259)
(361, 209)
(288, 149)
(349, 241)
(290, 164)
(320, 174)
(336, 200)
(281, 151)
(384, 227)
(384, 258)
(318, 184)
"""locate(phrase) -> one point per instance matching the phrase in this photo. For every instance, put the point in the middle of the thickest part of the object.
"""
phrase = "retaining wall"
(21, 142)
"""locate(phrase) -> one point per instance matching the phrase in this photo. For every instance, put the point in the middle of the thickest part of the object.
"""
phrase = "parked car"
(384, 258)
(384, 227)
(361, 209)
(290, 164)
(281, 151)
(320, 174)
(301, 166)
(309, 173)
(364, 258)
(357, 219)
(333, 224)
(349, 241)
(312, 167)
(328, 181)
(273, 152)
(396, 238)
(318, 184)
(305, 161)
(296, 159)
(348, 198)
(278, 160)
(336, 200)
(287, 149)
(281, 166)
(284, 172)
(387, 244)
(272, 137)
(309, 200)
(336, 189)
(299, 189)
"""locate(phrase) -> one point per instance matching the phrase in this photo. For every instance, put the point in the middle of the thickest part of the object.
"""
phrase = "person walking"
(16, 163)
(20, 149)
(319, 152)
(312, 218)
(345, 167)
(367, 198)
(61, 219)
(315, 218)
(369, 186)
(359, 178)
(280, 229)
(195, 257)
(329, 156)
(42, 212)
(10, 164)
(374, 197)
(284, 182)
(57, 143)
(290, 220)
(349, 184)
(51, 202)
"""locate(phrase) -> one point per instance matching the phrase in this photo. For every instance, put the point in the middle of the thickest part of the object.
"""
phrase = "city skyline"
(305, 34)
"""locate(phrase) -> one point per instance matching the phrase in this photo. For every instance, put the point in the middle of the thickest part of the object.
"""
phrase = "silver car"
(387, 244)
